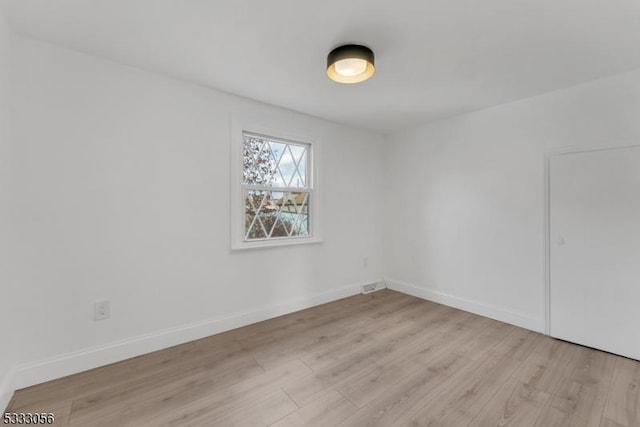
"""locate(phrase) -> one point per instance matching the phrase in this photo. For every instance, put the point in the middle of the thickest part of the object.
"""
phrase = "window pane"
(256, 203)
(273, 163)
(300, 225)
(276, 214)
(259, 161)
(294, 212)
(277, 148)
(287, 167)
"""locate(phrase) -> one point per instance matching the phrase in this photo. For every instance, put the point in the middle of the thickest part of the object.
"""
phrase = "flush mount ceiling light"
(350, 63)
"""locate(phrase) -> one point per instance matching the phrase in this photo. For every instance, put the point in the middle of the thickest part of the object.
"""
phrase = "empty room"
(338, 213)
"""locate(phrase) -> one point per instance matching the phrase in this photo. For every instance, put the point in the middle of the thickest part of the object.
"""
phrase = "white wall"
(466, 195)
(6, 286)
(123, 189)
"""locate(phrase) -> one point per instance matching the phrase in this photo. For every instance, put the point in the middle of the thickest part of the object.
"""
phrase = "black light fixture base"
(350, 51)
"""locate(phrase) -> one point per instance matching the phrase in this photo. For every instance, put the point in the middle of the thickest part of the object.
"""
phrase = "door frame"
(547, 211)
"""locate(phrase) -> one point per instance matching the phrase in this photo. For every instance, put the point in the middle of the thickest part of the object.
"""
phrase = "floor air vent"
(372, 287)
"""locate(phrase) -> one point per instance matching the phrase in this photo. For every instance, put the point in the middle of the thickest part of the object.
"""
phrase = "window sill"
(260, 244)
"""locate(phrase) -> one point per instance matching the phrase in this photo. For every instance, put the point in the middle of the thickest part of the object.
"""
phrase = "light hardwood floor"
(383, 359)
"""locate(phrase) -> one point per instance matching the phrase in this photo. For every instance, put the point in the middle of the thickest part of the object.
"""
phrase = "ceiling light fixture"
(350, 63)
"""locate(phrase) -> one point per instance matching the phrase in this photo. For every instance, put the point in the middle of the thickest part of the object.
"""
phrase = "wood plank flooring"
(383, 359)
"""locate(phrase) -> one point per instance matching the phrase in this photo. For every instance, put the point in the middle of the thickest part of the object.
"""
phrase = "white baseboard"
(498, 313)
(6, 390)
(78, 361)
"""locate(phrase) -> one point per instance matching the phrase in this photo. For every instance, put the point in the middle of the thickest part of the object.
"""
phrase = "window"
(276, 191)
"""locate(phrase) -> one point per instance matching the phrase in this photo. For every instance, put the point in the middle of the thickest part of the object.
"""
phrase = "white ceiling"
(434, 58)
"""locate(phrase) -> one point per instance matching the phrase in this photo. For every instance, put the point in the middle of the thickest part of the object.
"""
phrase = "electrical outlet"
(102, 310)
(365, 262)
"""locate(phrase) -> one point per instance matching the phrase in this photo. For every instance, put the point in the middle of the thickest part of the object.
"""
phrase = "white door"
(595, 249)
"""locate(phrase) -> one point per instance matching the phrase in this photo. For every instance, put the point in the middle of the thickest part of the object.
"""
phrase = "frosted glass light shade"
(350, 64)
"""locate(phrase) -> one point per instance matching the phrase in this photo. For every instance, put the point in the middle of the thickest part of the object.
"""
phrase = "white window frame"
(238, 241)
